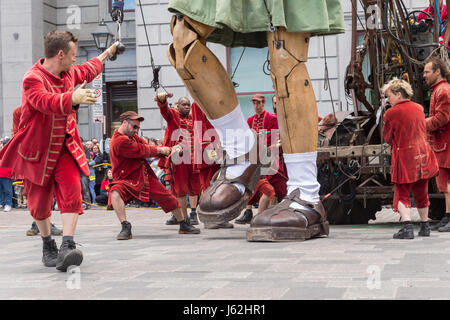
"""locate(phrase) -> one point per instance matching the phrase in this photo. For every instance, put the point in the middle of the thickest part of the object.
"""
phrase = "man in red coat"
(205, 157)
(179, 130)
(437, 75)
(413, 162)
(47, 149)
(133, 178)
(263, 122)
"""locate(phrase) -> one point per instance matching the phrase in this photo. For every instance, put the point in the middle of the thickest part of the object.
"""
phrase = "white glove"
(83, 96)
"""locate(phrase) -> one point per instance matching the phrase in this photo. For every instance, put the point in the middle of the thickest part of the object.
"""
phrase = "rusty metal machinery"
(353, 159)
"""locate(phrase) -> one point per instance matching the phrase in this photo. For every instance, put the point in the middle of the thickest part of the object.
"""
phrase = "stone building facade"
(24, 23)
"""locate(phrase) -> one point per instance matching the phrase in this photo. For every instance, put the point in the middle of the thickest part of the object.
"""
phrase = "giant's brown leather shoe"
(283, 223)
(222, 201)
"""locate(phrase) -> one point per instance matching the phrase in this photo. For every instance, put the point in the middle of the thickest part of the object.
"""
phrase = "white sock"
(237, 140)
(302, 173)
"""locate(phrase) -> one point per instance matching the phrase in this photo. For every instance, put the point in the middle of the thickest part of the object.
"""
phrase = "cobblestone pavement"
(354, 262)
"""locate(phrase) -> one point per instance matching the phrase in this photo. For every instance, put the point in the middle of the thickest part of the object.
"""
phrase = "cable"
(396, 39)
(155, 84)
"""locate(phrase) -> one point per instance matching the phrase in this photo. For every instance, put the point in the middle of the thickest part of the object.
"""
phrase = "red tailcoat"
(174, 121)
(48, 120)
(204, 136)
(438, 124)
(129, 165)
(268, 122)
(405, 131)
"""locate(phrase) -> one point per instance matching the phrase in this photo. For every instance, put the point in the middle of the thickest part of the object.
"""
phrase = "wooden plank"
(353, 151)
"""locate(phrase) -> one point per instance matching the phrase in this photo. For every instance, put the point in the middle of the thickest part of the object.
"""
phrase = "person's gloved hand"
(162, 97)
(165, 151)
(83, 96)
(115, 49)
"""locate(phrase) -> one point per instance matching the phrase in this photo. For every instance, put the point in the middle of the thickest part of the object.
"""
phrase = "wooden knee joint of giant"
(297, 108)
(201, 71)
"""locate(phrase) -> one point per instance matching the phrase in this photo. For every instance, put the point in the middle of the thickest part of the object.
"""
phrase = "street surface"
(354, 262)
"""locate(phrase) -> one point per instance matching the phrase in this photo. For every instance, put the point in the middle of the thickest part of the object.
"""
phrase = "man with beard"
(133, 178)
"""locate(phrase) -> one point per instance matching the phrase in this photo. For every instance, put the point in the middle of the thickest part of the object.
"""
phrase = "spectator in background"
(90, 156)
(99, 169)
(85, 182)
(6, 186)
(102, 198)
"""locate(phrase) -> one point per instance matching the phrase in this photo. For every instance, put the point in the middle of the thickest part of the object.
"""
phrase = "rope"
(155, 83)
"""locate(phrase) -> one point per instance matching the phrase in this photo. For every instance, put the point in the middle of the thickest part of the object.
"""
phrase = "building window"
(129, 5)
(250, 77)
(122, 98)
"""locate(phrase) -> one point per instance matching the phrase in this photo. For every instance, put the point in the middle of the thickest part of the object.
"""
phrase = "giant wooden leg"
(212, 89)
(300, 216)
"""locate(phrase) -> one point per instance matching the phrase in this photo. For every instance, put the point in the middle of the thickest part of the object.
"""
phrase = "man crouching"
(133, 177)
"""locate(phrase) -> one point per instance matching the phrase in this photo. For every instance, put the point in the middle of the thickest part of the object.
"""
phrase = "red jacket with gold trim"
(176, 122)
(129, 165)
(47, 120)
(438, 124)
(405, 131)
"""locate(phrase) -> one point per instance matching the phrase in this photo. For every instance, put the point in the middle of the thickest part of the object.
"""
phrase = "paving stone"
(355, 262)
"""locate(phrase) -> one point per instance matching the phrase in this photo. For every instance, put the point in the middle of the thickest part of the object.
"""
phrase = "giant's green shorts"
(245, 22)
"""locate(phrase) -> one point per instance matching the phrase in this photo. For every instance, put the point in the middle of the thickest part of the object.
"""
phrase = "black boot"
(68, 256)
(172, 221)
(407, 232)
(55, 231)
(443, 222)
(125, 233)
(223, 225)
(245, 218)
(34, 230)
(187, 228)
(193, 218)
(445, 228)
(49, 253)
(424, 229)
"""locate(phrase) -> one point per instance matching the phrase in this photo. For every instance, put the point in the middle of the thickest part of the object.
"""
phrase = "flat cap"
(258, 96)
(131, 115)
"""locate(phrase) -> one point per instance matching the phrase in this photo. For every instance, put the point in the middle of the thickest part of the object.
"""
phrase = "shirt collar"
(434, 86)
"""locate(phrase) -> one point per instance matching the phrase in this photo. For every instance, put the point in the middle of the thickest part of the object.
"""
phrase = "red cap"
(259, 97)
(131, 115)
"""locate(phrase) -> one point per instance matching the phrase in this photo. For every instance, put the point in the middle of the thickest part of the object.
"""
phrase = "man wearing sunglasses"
(133, 178)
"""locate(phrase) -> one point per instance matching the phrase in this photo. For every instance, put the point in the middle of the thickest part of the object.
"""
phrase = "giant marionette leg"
(301, 215)
(212, 89)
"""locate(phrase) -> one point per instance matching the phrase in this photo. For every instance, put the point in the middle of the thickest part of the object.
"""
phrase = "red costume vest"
(47, 121)
(204, 136)
(267, 122)
(405, 131)
(129, 165)
(438, 124)
(175, 121)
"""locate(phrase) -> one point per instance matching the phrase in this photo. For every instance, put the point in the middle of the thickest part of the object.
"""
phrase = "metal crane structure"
(353, 159)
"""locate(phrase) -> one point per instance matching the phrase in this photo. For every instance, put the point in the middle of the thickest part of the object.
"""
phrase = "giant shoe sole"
(274, 234)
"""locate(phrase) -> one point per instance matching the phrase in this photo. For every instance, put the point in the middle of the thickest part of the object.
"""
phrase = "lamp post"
(103, 38)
